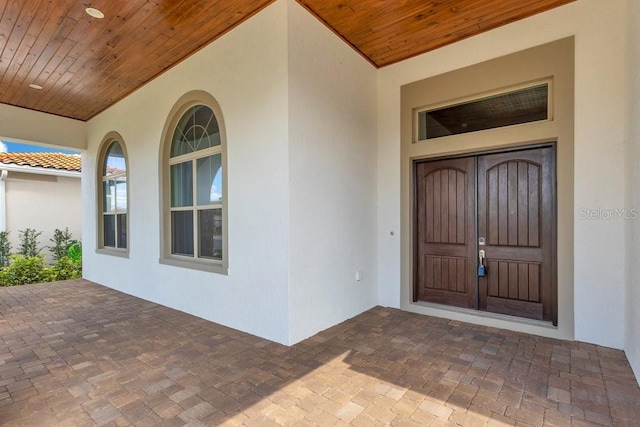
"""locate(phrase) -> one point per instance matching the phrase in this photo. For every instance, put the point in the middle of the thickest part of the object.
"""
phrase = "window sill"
(122, 253)
(194, 264)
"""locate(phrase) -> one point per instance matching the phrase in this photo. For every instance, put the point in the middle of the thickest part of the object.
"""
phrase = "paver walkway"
(79, 354)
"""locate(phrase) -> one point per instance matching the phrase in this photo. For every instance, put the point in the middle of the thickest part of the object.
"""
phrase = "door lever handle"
(482, 270)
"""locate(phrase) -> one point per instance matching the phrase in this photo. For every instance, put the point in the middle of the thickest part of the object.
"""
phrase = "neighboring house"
(40, 191)
(267, 181)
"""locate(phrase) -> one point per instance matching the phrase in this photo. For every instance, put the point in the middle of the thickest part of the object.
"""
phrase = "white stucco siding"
(43, 203)
(33, 127)
(246, 71)
(332, 117)
(600, 30)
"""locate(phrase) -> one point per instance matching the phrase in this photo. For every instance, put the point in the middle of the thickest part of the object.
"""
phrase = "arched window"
(113, 195)
(194, 178)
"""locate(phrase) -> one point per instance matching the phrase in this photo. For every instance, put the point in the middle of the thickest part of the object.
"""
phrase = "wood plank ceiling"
(85, 64)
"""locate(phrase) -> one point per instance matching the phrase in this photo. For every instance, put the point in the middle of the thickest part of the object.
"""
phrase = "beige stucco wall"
(44, 203)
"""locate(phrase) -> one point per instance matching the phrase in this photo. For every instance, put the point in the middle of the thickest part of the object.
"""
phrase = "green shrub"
(28, 266)
(61, 240)
(65, 269)
(29, 243)
(24, 270)
(5, 248)
(74, 251)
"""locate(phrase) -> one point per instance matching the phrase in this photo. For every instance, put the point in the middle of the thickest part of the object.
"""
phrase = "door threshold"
(483, 314)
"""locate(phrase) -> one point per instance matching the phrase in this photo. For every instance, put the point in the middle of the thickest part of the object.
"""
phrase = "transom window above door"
(527, 104)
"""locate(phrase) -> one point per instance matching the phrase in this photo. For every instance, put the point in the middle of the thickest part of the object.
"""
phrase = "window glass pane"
(121, 193)
(182, 232)
(108, 196)
(197, 129)
(114, 160)
(512, 108)
(210, 233)
(182, 184)
(109, 230)
(122, 230)
(209, 180)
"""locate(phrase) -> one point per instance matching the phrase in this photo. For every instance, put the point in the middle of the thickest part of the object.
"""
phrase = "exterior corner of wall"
(632, 192)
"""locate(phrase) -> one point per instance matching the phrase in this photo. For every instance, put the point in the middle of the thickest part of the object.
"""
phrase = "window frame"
(196, 262)
(415, 114)
(105, 145)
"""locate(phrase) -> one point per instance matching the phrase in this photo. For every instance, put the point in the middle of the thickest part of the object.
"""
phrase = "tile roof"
(59, 161)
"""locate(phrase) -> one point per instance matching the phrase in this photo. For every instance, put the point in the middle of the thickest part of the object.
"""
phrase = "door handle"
(482, 270)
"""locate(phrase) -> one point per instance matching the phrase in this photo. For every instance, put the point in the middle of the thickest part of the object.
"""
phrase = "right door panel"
(516, 220)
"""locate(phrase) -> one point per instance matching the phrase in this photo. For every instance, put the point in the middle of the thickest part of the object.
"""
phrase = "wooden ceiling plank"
(16, 63)
(358, 24)
(11, 33)
(369, 25)
(136, 43)
(203, 32)
(87, 65)
(57, 66)
(18, 95)
(456, 28)
(493, 21)
(127, 26)
(106, 64)
(437, 23)
(60, 99)
(3, 6)
(160, 46)
(43, 27)
(88, 32)
(54, 81)
(57, 48)
(61, 56)
(142, 43)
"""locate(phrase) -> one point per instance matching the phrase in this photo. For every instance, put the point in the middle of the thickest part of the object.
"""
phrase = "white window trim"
(183, 104)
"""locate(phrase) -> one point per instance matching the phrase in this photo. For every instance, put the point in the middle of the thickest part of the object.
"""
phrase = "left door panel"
(445, 256)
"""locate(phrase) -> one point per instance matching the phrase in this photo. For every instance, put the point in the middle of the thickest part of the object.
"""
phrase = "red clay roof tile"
(59, 161)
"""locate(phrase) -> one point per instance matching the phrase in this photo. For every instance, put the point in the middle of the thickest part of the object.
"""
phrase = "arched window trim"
(181, 106)
(106, 143)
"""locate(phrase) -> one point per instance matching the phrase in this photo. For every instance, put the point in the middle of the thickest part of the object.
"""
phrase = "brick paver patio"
(79, 354)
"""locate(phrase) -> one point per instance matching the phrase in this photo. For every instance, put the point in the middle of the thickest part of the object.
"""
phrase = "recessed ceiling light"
(94, 13)
(35, 86)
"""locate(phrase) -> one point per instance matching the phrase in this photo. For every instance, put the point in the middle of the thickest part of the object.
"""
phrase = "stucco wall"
(28, 126)
(246, 71)
(299, 111)
(332, 99)
(600, 30)
(44, 203)
(632, 157)
(297, 108)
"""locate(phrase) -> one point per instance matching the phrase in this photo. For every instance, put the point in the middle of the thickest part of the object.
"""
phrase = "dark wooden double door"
(499, 203)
